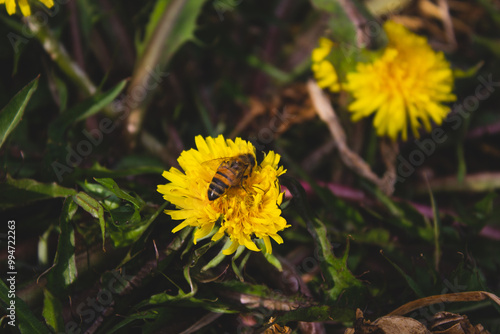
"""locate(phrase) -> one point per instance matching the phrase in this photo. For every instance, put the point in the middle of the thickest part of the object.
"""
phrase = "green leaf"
(115, 189)
(52, 310)
(461, 165)
(108, 200)
(394, 209)
(83, 110)
(93, 207)
(485, 206)
(437, 229)
(64, 272)
(469, 72)
(343, 28)
(182, 27)
(411, 282)
(99, 171)
(318, 314)
(346, 33)
(11, 114)
(62, 92)
(127, 227)
(271, 70)
(24, 191)
(492, 44)
(154, 18)
(124, 325)
(124, 237)
(125, 214)
(25, 320)
(491, 9)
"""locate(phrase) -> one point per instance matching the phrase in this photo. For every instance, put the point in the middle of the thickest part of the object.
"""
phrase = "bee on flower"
(221, 187)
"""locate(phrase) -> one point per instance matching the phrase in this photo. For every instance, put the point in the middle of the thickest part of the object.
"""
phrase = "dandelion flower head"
(243, 212)
(10, 5)
(324, 71)
(405, 86)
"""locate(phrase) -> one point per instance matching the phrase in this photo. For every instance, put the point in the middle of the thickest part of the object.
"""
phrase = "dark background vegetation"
(240, 71)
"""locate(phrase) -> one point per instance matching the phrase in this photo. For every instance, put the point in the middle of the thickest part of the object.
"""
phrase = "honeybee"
(230, 173)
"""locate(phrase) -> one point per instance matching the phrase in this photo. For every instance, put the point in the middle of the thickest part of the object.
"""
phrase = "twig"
(469, 296)
(389, 150)
(351, 159)
(448, 24)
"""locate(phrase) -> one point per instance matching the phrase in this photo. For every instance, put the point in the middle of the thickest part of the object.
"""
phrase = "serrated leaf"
(181, 32)
(24, 191)
(115, 189)
(340, 280)
(25, 320)
(93, 207)
(11, 114)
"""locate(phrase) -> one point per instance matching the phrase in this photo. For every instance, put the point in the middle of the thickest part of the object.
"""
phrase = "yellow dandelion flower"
(10, 5)
(323, 69)
(407, 84)
(244, 211)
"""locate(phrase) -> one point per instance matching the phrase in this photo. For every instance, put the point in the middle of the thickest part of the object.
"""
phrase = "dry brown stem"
(351, 159)
(469, 296)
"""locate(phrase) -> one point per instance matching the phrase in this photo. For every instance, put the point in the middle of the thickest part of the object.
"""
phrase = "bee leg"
(241, 182)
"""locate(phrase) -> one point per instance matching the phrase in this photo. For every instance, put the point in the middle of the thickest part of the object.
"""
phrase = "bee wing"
(215, 163)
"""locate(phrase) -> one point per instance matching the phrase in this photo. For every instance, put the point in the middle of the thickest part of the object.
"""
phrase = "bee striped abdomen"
(220, 183)
(230, 173)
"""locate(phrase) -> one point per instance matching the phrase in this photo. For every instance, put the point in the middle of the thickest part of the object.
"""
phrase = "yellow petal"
(47, 3)
(25, 7)
(234, 246)
(10, 5)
